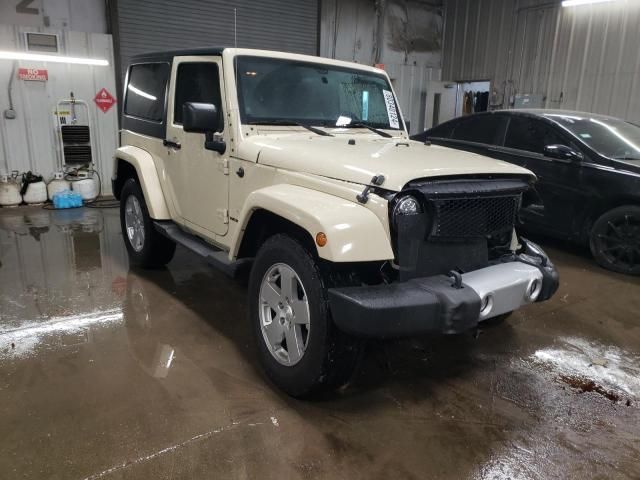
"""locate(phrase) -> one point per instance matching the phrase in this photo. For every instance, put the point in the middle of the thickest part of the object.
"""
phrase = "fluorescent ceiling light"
(38, 57)
(575, 3)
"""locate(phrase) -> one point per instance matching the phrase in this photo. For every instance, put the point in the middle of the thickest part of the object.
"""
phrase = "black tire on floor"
(156, 250)
(615, 240)
(331, 356)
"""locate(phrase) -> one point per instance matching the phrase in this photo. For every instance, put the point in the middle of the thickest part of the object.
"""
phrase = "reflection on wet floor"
(107, 372)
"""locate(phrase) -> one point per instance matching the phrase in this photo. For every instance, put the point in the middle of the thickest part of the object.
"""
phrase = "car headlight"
(407, 205)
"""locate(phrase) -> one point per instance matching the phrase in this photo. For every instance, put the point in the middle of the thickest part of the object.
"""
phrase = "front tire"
(300, 348)
(615, 240)
(146, 247)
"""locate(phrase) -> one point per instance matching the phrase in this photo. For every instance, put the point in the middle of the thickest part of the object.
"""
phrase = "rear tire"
(146, 247)
(327, 357)
(615, 240)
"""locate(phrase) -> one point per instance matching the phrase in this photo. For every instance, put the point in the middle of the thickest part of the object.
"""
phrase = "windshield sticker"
(365, 105)
(342, 121)
(391, 109)
(585, 135)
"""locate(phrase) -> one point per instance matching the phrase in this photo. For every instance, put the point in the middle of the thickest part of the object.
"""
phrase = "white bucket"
(56, 185)
(85, 188)
(9, 192)
(36, 193)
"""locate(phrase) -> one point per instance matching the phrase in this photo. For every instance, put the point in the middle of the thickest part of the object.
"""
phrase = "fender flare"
(354, 233)
(143, 162)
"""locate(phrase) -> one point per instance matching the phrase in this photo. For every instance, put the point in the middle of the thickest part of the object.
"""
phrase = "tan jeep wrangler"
(301, 168)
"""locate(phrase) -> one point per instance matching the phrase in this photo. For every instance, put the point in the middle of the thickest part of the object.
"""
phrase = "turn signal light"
(321, 239)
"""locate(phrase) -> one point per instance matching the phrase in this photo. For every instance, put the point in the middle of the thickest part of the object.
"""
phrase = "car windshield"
(610, 137)
(281, 91)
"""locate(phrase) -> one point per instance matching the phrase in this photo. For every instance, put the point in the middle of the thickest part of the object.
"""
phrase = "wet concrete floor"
(108, 372)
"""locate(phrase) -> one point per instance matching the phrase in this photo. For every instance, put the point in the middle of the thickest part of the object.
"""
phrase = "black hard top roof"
(168, 55)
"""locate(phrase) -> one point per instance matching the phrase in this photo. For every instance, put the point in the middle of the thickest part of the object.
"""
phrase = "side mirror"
(562, 152)
(203, 118)
(200, 117)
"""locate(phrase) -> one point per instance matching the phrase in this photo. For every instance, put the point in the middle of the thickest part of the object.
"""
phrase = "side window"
(479, 129)
(196, 82)
(146, 91)
(531, 135)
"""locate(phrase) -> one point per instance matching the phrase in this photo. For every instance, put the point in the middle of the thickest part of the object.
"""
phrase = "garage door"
(166, 24)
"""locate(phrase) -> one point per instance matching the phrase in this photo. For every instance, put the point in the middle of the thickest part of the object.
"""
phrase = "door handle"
(169, 143)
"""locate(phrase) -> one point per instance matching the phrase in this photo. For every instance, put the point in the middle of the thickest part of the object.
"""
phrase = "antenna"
(235, 27)
(235, 42)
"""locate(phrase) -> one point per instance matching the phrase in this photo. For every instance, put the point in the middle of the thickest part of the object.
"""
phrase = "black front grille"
(474, 217)
(464, 221)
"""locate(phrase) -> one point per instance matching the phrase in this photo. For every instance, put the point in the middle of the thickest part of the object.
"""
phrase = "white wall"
(404, 35)
(77, 15)
(29, 142)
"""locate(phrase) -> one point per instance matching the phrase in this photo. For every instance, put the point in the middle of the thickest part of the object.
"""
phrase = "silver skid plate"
(505, 287)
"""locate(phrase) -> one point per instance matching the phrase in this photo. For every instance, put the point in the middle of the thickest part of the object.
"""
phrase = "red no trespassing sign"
(33, 74)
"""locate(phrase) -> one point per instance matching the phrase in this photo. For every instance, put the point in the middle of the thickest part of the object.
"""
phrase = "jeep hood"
(399, 160)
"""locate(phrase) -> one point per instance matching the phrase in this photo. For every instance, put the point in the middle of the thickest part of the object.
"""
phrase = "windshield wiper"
(368, 127)
(291, 123)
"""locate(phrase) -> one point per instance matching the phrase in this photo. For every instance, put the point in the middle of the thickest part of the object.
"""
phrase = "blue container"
(67, 199)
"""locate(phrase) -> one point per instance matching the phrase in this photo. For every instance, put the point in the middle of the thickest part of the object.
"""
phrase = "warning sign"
(33, 74)
(104, 100)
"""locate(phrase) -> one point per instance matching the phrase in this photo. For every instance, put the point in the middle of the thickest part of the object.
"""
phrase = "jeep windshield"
(281, 91)
(611, 137)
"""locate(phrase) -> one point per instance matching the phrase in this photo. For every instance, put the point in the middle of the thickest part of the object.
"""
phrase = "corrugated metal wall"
(580, 58)
(404, 35)
(29, 142)
(165, 24)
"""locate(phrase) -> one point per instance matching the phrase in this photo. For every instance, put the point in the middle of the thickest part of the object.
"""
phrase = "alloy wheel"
(284, 314)
(134, 223)
(619, 242)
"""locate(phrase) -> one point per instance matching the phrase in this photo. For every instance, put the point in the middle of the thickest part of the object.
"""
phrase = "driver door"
(559, 187)
(199, 177)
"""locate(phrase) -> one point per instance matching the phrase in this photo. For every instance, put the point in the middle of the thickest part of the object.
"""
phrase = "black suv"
(588, 169)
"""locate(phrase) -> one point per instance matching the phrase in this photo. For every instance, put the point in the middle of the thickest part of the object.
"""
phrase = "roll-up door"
(153, 25)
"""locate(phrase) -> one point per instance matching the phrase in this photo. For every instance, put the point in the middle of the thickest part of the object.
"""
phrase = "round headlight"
(407, 206)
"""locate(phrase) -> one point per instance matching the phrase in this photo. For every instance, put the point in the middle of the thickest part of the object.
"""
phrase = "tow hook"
(457, 279)
(535, 252)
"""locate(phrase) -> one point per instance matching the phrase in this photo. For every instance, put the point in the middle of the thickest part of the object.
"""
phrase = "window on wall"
(41, 42)
(530, 134)
(145, 92)
(196, 82)
(480, 129)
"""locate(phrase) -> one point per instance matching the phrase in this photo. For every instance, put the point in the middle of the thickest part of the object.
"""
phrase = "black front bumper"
(424, 305)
